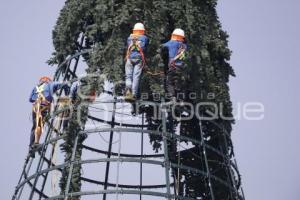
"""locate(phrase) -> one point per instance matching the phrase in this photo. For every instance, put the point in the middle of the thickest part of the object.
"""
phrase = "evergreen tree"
(105, 26)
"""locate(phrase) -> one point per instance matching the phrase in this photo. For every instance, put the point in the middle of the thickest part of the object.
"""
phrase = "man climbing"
(42, 97)
(135, 60)
(174, 53)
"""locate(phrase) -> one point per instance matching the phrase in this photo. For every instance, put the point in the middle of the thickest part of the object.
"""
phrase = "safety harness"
(40, 105)
(180, 55)
(41, 98)
(135, 45)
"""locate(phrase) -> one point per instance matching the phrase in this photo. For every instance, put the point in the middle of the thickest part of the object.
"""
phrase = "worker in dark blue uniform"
(137, 44)
(41, 97)
(176, 50)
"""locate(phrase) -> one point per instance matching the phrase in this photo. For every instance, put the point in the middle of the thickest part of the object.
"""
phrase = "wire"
(112, 111)
(101, 136)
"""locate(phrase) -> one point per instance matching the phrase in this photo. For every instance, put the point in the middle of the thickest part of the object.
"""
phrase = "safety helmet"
(45, 79)
(178, 34)
(139, 27)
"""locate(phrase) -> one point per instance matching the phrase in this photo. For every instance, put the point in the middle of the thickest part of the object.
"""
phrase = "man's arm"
(55, 86)
(147, 41)
(165, 53)
(74, 89)
(185, 46)
(31, 100)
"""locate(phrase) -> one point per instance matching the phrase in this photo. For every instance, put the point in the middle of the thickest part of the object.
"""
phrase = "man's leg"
(32, 136)
(38, 130)
(170, 83)
(128, 73)
(178, 82)
(137, 72)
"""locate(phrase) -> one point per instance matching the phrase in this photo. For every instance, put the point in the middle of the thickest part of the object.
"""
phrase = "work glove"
(67, 88)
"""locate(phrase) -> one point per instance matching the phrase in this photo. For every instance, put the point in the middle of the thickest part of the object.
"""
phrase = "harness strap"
(135, 45)
(41, 108)
(179, 56)
(39, 90)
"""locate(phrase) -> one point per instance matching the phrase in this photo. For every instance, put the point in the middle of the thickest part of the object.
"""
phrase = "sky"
(265, 45)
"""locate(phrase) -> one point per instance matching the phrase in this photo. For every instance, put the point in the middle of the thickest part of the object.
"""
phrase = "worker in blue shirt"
(41, 97)
(176, 51)
(137, 44)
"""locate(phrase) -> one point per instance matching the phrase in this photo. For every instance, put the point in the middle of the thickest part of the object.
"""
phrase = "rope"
(58, 122)
(38, 108)
(159, 73)
(103, 110)
(119, 152)
(101, 136)
(55, 174)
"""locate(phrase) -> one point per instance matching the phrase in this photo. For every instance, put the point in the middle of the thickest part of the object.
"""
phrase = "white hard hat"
(139, 27)
(179, 32)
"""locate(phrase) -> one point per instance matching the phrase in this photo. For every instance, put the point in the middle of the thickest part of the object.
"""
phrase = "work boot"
(31, 151)
(36, 147)
(128, 96)
(133, 109)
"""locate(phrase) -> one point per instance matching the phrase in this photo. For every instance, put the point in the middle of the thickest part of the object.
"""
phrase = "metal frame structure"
(36, 176)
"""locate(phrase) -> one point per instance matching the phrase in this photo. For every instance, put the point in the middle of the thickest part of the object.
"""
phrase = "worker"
(137, 44)
(176, 53)
(42, 97)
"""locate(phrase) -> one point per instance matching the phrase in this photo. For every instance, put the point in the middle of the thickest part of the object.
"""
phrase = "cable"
(107, 142)
(115, 112)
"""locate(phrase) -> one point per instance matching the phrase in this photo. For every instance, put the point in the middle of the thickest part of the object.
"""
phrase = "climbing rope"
(55, 174)
(62, 104)
(155, 73)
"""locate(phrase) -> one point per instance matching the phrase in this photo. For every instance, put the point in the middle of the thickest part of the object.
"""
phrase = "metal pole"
(41, 161)
(227, 160)
(26, 172)
(22, 174)
(206, 161)
(118, 164)
(142, 153)
(119, 155)
(166, 151)
(110, 147)
(71, 167)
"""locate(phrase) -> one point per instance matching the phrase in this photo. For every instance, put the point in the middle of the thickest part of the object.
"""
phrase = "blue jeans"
(133, 71)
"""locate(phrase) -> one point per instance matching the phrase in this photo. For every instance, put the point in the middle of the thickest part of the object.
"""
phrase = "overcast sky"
(264, 38)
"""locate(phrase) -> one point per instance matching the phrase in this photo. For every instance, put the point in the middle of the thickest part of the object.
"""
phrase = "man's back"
(45, 89)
